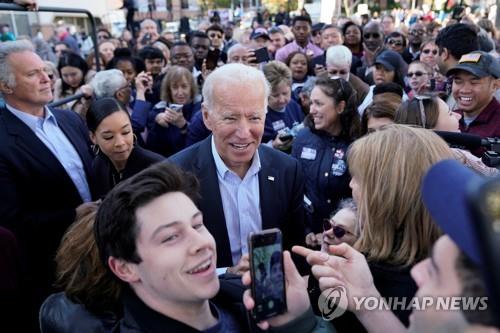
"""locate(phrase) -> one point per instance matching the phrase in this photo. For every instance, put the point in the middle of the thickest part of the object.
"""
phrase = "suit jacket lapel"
(268, 182)
(27, 140)
(211, 201)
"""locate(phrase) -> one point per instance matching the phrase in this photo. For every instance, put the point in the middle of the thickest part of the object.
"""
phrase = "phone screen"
(266, 265)
(212, 59)
(261, 55)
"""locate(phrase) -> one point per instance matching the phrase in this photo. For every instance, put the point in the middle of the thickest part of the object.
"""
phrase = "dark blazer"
(106, 176)
(37, 196)
(281, 187)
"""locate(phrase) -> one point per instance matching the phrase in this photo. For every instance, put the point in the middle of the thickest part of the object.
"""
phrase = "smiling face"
(472, 93)
(32, 88)
(237, 122)
(324, 111)
(115, 138)
(177, 251)
(298, 66)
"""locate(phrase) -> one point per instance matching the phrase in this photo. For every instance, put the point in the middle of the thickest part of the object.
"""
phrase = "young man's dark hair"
(199, 34)
(458, 39)
(150, 52)
(116, 226)
(302, 18)
(215, 27)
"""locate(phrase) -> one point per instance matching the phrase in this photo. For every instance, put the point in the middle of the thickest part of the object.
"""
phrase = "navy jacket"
(37, 196)
(168, 140)
(324, 162)
(277, 121)
(281, 186)
(197, 130)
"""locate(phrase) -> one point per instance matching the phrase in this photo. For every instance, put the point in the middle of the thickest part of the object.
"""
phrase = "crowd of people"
(129, 207)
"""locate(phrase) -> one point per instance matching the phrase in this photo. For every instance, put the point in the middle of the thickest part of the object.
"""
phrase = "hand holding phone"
(297, 298)
(261, 55)
(266, 268)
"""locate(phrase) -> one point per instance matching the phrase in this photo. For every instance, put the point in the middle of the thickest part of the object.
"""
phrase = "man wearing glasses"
(416, 36)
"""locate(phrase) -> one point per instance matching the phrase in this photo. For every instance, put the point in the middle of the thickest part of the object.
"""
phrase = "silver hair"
(107, 83)
(6, 49)
(338, 55)
(233, 75)
(235, 48)
(144, 22)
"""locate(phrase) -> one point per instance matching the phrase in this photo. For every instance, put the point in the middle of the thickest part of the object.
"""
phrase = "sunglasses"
(374, 35)
(338, 231)
(215, 36)
(427, 51)
(395, 42)
(417, 32)
(417, 74)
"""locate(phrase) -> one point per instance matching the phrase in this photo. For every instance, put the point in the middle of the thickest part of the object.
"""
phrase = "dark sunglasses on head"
(417, 74)
(338, 231)
(374, 35)
(51, 76)
(395, 42)
(427, 51)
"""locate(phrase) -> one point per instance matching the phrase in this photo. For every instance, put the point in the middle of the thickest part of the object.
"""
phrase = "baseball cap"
(259, 33)
(389, 59)
(445, 193)
(478, 63)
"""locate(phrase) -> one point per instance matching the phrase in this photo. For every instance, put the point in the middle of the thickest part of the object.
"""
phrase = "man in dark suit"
(44, 162)
(245, 187)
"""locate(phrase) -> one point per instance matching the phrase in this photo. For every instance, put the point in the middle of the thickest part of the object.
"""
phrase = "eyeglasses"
(338, 231)
(417, 32)
(417, 74)
(427, 51)
(374, 35)
(215, 36)
(395, 42)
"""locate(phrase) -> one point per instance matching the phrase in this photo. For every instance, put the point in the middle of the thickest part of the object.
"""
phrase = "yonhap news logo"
(333, 302)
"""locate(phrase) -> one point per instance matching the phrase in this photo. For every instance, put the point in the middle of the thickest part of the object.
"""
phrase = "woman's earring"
(135, 139)
(96, 149)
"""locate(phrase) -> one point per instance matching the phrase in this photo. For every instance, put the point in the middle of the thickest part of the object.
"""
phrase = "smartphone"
(286, 137)
(176, 107)
(212, 59)
(484, 201)
(266, 269)
(146, 39)
(261, 55)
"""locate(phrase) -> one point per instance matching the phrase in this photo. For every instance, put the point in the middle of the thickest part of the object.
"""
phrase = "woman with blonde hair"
(396, 230)
(90, 301)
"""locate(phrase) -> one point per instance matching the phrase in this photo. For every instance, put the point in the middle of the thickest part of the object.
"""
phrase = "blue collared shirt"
(240, 201)
(49, 132)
